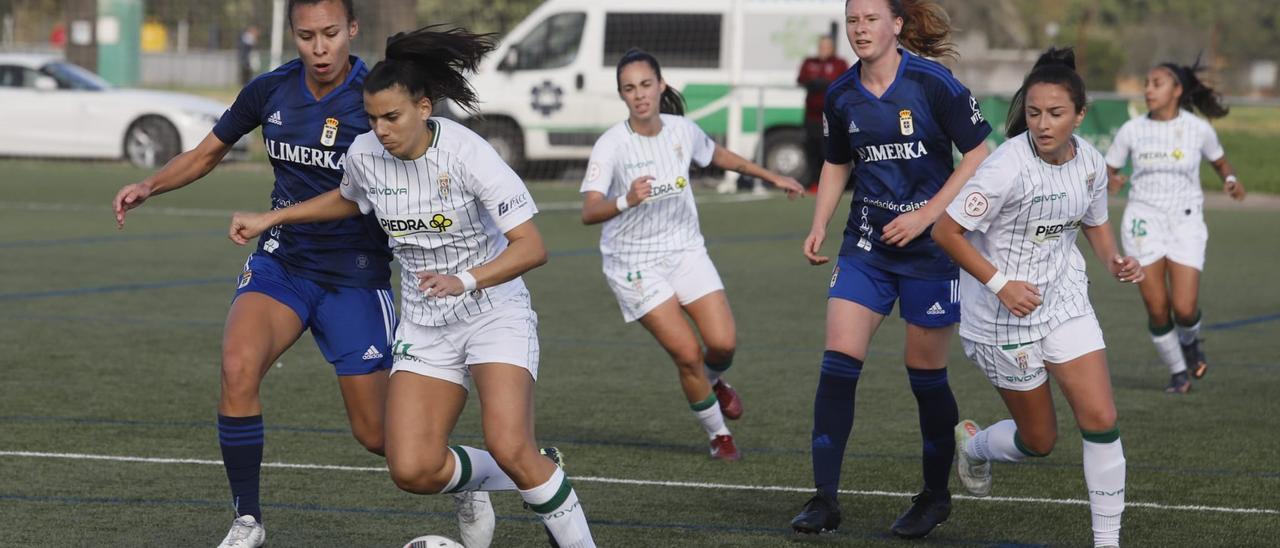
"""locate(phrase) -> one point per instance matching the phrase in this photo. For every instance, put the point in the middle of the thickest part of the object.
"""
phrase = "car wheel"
(151, 142)
(506, 139)
(784, 153)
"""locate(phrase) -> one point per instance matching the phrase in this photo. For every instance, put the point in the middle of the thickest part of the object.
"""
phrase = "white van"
(550, 89)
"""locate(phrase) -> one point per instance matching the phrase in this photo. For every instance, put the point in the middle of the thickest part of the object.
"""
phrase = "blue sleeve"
(833, 131)
(244, 115)
(956, 110)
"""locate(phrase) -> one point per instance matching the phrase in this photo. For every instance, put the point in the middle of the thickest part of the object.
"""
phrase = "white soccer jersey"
(667, 221)
(1166, 159)
(445, 212)
(1023, 216)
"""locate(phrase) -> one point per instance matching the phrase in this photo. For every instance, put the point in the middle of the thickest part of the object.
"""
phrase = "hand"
(792, 187)
(1234, 189)
(1021, 298)
(129, 197)
(641, 188)
(905, 227)
(439, 285)
(247, 226)
(1115, 182)
(813, 244)
(1127, 269)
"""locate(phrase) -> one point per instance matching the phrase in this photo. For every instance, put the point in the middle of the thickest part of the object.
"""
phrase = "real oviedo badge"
(329, 135)
(905, 123)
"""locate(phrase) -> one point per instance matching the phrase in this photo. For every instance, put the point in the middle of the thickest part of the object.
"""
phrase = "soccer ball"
(432, 541)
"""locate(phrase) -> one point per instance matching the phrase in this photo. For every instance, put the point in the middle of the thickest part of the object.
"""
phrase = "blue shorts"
(926, 303)
(353, 326)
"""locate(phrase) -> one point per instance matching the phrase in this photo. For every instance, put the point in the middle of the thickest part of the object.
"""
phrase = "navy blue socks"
(833, 417)
(241, 439)
(938, 419)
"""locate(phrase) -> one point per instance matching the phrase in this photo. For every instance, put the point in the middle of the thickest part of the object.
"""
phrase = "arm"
(907, 226)
(1103, 242)
(1115, 180)
(596, 209)
(1230, 184)
(831, 185)
(726, 159)
(1019, 297)
(181, 171)
(329, 206)
(525, 251)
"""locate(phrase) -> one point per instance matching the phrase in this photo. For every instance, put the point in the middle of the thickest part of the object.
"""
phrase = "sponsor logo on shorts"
(1024, 378)
(245, 278)
(936, 309)
(372, 354)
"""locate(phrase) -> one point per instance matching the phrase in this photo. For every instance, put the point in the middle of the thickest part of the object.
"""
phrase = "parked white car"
(53, 108)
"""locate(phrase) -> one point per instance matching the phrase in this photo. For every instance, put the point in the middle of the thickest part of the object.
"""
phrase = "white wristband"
(468, 281)
(622, 203)
(997, 282)
(1231, 178)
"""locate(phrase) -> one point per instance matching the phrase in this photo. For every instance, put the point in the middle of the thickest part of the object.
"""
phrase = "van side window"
(552, 44)
(685, 40)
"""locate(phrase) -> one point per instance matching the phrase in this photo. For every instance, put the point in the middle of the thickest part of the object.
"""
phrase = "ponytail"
(1055, 66)
(671, 102)
(1196, 95)
(432, 63)
(926, 28)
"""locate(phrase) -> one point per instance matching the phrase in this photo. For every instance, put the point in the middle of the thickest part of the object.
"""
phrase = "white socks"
(996, 443)
(709, 416)
(1170, 352)
(557, 504)
(1104, 477)
(475, 470)
(1188, 334)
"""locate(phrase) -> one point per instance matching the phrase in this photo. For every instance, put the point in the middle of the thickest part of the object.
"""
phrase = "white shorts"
(507, 334)
(1150, 234)
(689, 275)
(1021, 366)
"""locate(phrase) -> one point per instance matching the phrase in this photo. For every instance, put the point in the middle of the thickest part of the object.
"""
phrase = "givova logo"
(1043, 231)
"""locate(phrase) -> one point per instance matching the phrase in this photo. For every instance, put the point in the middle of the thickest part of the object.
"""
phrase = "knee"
(371, 441)
(241, 373)
(511, 451)
(1098, 420)
(688, 359)
(1186, 313)
(1039, 444)
(418, 476)
(719, 352)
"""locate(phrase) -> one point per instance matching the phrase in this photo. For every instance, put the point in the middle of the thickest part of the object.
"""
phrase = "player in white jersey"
(637, 184)
(460, 223)
(1024, 298)
(1164, 220)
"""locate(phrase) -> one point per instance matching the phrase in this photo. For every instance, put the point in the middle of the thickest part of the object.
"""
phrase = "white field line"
(707, 198)
(650, 483)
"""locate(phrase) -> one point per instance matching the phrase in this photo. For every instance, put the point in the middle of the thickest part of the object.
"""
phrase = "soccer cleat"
(1194, 355)
(245, 532)
(928, 510)
(722, 448)
(475, 518)
(975, 473)
(1180, 383)
(727, 397)
(554, 454)
(820, 514)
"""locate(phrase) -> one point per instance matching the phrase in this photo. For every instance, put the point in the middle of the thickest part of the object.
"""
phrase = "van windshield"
(552, 44)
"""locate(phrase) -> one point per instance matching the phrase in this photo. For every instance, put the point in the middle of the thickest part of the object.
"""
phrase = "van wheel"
(784, 153)
(505, 138)
(151, 142)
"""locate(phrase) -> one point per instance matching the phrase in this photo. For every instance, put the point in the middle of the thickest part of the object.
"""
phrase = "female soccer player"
(1164, 219)
(460, 223)
(654, 257)
(1013, 230)
(891, 121)
(331, 277)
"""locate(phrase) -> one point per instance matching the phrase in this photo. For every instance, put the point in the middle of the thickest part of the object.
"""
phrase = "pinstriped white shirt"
(1023, 216)
(445, 212)
(667, 221)
(1166, 159)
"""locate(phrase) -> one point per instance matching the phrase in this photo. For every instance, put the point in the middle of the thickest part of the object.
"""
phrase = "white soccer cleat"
(975, 473)
(475, 519)
(245, 532)
(432, 541)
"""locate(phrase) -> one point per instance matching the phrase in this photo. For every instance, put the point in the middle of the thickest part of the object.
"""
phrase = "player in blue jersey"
(331, 278)
(891, 122)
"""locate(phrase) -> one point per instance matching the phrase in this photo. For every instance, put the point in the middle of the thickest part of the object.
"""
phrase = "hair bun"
(1058, 56)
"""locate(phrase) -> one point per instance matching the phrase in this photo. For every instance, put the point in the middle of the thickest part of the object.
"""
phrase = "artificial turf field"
(109, 347)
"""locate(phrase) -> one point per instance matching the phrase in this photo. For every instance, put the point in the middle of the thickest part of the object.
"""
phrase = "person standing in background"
(244, 53)
(816, 73)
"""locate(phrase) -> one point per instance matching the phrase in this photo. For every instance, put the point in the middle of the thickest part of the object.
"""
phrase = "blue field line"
(450, 516)
(114, 238)
(596, 442)
(1232, 324)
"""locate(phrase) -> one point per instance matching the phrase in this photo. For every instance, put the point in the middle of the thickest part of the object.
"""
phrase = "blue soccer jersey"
(307, 141)
(900, 144)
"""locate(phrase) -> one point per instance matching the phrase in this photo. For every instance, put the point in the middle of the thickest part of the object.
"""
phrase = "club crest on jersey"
(905, 124)
(245, 278)
(835, 275)
(679, 150)
(329, 135)
(442, 183)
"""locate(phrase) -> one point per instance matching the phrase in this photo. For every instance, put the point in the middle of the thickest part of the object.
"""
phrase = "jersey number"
(1138, 228)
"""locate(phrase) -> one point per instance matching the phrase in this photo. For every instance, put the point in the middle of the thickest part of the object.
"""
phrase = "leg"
(714, 319)
(365, 397)
(1184, 286)
(1155, 295)
(421, 411)
(926, 358)
(258, 330)
(506, 400)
